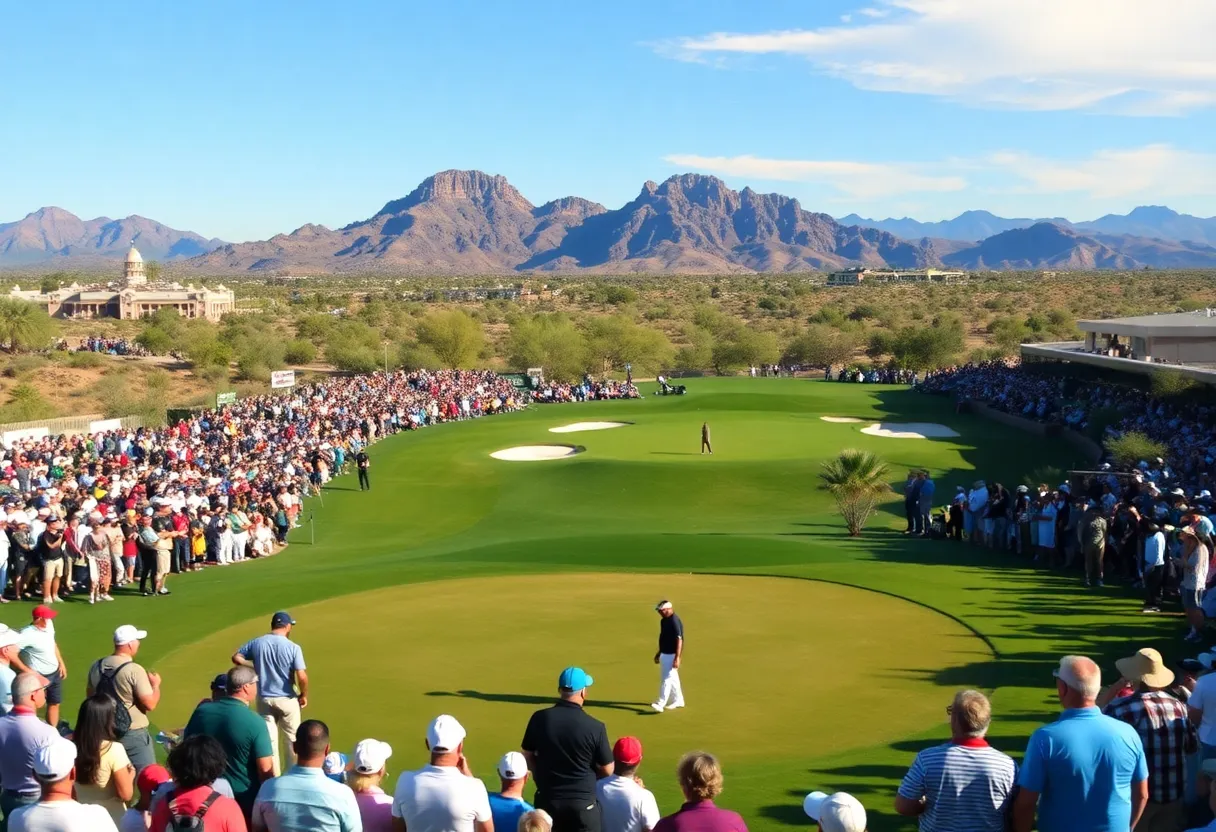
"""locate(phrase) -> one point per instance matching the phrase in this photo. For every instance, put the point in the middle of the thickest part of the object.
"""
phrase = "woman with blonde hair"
(368, 770)
(700, 779)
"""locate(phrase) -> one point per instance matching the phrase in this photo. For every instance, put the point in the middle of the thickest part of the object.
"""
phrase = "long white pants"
(671, 694)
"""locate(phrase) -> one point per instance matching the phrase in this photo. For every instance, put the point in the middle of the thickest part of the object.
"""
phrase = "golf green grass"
(463, 584)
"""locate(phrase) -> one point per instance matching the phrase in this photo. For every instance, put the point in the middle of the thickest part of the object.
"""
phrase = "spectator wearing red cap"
(628, 806)
(701, 781)
(139, 817)
(40, 654)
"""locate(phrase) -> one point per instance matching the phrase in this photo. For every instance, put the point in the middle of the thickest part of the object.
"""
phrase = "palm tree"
(856, 480)
(24, 326)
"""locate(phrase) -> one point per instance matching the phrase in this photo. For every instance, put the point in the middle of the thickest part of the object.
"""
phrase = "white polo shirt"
(61, 815)
(38, 648)
(626, 806)
(440, 799)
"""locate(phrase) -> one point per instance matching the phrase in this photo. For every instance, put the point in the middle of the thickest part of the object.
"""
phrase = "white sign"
(103, 425)
(12, 436)
(282, 378)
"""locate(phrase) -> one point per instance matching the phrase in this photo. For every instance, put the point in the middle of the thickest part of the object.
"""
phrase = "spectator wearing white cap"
(136, 690)
(627, 805)
(962, 785)
(839, 812)
(443, 796)
(368, 770)
(1086, 770)
(21, 735)
(9, 652)
(507, 805)
(304, 799)
(55, 770)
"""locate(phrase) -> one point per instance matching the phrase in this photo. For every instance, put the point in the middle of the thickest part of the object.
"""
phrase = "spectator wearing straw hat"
(628, 806)
(1086, 770)
(1166, 732)
(839, 812)
(55, 771)
(965, 783)
(508, 804)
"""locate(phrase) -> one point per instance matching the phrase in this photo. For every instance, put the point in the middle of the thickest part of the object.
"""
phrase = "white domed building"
(132, 298)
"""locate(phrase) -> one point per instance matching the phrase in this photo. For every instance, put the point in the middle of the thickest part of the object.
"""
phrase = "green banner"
(222, 399)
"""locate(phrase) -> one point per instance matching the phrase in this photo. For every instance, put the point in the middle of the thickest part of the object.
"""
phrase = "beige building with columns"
(133, 298)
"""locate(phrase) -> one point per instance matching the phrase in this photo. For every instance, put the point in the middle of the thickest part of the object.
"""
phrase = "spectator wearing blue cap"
(279, 663)
(567, 750)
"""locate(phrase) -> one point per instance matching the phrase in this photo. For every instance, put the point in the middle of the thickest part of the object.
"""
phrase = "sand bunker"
(581, 426)
(534, 453)
(909, 430)
(840, 420)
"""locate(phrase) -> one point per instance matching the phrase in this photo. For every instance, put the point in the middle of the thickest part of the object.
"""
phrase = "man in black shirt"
(363, 463)
(671, 647)
(50, 553)
(567, 751)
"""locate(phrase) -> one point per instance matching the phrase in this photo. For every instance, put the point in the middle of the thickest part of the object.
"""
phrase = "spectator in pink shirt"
(368, 770)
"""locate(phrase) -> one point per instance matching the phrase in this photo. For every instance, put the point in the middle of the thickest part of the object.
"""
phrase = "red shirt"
(224, 815)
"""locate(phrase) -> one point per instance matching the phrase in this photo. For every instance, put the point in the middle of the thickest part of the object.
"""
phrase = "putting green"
(763, 656)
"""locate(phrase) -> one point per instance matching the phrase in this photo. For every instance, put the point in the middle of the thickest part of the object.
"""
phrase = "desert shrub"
(85, 360)
(300, 352)
(25, 404)
(1133, 446)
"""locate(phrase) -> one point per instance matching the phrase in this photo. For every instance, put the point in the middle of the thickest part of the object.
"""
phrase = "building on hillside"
(857, 275)
(132, 298)
(1145, 344)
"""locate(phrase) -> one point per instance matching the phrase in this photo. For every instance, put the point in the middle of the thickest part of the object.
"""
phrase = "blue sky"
(241, 120)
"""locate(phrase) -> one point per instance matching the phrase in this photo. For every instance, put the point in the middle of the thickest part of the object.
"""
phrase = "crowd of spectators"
(556, 392)
(871, 375)
(111, 346)
(83, 514)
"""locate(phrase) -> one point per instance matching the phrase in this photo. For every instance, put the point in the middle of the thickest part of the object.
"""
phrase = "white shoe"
(673, 707)
(657, 706)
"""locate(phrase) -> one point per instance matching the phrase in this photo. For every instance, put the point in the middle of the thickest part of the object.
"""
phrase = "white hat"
(55, 760)
(444, 733)
(840, 812)
(512, 766)
(127, 633)
(8, 638)
(371, 755)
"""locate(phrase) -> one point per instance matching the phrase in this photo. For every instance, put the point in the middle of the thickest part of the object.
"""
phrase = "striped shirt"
(966, 786)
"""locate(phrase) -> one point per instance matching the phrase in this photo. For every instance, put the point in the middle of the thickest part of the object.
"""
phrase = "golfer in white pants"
(671, 647)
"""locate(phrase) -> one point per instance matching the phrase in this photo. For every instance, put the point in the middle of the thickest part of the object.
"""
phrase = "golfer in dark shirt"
(671, 649)
(362, 462)
(567, 750)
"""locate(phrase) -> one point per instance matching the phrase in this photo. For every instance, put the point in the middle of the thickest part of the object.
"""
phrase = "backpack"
(189, 823)
(106, 686)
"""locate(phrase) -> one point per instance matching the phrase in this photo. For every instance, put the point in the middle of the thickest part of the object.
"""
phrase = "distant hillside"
(1047, 245)
(56, 237)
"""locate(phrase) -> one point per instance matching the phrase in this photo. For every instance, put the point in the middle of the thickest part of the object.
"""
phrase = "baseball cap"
(512, 766)
(220, 683)
(839, 812)
(445, 733)
(55, 760)
(371, 755)
(335, 766)
(663, 605)
(128, 633)
(151, 777)
(627, 751)
(574, 678)
(281, 619)
(43, 611)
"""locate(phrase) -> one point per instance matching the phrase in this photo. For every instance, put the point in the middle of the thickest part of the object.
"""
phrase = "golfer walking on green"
(705, 446)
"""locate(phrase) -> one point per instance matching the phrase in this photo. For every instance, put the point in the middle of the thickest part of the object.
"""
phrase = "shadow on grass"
(526, 699)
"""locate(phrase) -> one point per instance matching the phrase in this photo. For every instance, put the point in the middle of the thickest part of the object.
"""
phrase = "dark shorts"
(54, 688)
(1192, 599)
(573, 815)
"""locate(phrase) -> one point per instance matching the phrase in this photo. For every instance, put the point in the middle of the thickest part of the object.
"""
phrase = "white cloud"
(856, 180)
(1150, 173)
(846, 18)
(1131, 57)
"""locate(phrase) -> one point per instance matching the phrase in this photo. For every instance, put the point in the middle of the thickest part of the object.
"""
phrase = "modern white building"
(859, 274)
(132, 298)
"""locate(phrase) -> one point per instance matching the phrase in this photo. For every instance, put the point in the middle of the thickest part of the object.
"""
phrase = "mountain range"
(1152, 221)
(469, 222)
(56, 237)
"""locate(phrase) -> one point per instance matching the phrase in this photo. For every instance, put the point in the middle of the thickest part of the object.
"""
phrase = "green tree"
(821, 346)
(300, 352)
(452, 336)
(744, 346)
(1133, 446)
(152, 271)
(549, 341)
(52, 282)
(857, 480)
(614, 341)
(697, 351)
(155, 340)
(354, 347)
(25, 405)
(25, 326)
(1008, 334)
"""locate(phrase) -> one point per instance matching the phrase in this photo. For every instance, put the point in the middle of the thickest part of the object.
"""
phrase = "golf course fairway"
(463, 584)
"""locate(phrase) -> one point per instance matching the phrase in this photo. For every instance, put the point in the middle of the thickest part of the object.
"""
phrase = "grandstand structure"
(1183, 342)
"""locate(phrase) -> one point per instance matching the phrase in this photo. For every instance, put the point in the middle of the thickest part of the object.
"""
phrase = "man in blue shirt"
(279, 663)
(925, 498)
(304, 798)
(1086, 771)
(508, 805)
